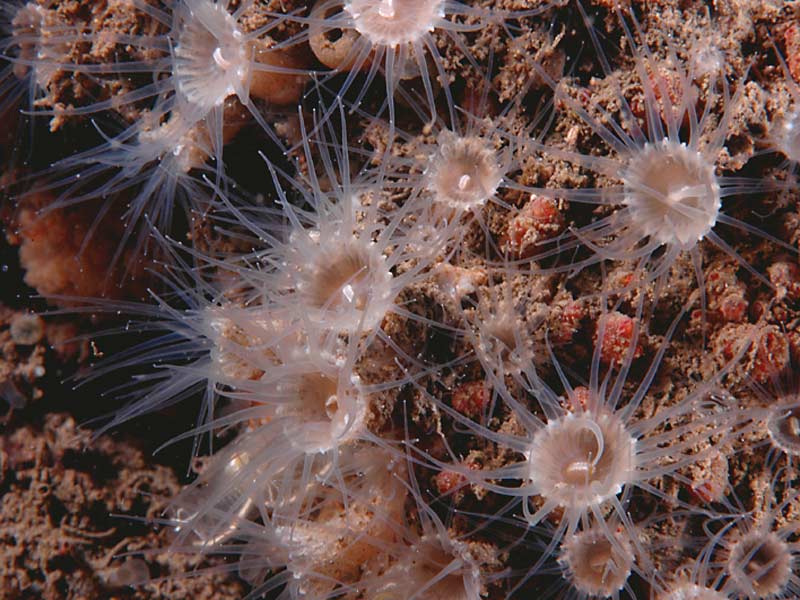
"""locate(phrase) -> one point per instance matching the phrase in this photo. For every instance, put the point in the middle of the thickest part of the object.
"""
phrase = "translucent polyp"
(672, 193)
(596, 563)
(464, 172)
(211, 58)
(394, 22)
(582, 459)
(783, 424)
(760, 566)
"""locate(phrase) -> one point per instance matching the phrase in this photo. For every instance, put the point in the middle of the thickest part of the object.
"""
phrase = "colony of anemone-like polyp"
(317, 541)
(203, 72)
(332, 267)
(278, 357)
(335, 437)
(755, 553)
(500, 343)
(584, 453)
(338, 268)
(665, 152)
(340, 533)
(304, 479)
(396, 38)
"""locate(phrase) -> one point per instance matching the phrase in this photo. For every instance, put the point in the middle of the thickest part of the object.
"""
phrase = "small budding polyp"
(502, 333)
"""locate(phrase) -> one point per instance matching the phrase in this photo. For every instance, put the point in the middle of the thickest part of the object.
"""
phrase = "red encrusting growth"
(767, 349)
(449, 481)
(618, 335)
(566, 322)
(471, 398)
(772, 354)
(539, 219)
(792, 39)
(726, 294)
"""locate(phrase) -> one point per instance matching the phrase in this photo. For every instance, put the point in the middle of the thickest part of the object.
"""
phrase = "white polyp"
(759, 565)
(672, 193)
(190, 515)
(390, 23)
(345, 282)
(424, 563)
(783, 425)
(211, 57)
(463, 172)
(330, 406)
(342, 531)
(581, 459)
(595, 564)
